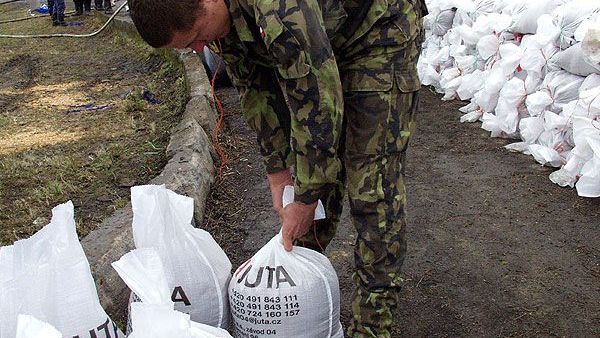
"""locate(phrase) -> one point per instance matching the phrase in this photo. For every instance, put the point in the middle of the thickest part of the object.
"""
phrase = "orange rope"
(217, 131)
(317, 238)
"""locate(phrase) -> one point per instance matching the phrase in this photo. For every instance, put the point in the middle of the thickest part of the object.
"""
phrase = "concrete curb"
(190, 171)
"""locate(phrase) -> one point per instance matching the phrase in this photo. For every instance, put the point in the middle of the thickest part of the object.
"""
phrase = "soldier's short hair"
(157, 20)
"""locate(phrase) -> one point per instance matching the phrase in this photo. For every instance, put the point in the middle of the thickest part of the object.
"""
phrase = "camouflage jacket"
(300, 39)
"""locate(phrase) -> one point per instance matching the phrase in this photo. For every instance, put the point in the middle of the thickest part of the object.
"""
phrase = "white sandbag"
(467, 64)
(547, 31)
(143, 272)
(482, 7)
(48, 276)
(30, 327)
(492, 124)
(511, 104)
(462, 17)
(197, 269)
(572, 60)
(160, 321)
(442, 21)
(538, 102)
(569, 16)
(471, 116)
(464, 34)
(535, 61)
(557, 89)
(470, 84)
(545, 155)
(588, 184)
(511, 55)
(531, 128)
(527, 13)
(285, 294)
(590, 23)
(590, 47)
(449, 81)
(441, 57)
(555, 121)
(488, 46)
(518, 147)
(427, 74)
(154, 316)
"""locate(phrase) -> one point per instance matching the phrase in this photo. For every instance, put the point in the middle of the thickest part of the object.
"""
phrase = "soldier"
(330, 87)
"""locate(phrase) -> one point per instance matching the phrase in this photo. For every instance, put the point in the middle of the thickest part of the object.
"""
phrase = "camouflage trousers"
(380, 101)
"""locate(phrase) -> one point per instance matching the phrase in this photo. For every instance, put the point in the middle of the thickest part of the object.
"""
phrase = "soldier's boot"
(372, 313)
(55, 19)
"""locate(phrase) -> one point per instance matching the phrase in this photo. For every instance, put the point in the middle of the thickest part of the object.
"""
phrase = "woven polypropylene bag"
(285, 294)
(196, 267)
(48, 276)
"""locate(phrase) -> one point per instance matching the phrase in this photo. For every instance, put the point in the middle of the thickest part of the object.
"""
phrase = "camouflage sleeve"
(263, 106)
(295, 36)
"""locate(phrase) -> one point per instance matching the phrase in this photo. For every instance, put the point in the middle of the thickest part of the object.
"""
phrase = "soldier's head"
(180, 23)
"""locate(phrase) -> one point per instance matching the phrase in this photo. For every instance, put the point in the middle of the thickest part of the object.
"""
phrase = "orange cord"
(316, 238)
(217, 131)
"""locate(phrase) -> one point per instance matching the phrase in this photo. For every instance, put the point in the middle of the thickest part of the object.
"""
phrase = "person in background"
(104, 5)
(58, 13)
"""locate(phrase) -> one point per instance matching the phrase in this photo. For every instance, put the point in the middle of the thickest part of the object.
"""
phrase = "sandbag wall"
(531, 72)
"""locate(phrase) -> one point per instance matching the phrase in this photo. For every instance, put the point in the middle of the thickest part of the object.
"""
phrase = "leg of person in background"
(99, 5)
(78, 7)
(108, 7)
(87, 7)
(59, 8)
(51, 9)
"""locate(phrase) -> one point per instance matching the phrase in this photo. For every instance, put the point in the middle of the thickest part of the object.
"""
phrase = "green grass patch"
(50, 151)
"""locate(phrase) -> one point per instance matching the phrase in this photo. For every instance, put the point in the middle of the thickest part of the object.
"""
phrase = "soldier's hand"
(277, 182)
(296, 220)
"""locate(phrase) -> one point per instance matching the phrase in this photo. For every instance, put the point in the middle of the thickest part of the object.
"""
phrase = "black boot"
(55, 19)
(78, 7)
(61, 20)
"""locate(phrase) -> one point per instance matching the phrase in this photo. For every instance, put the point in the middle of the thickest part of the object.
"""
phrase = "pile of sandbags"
(531, 71)
(179, 276)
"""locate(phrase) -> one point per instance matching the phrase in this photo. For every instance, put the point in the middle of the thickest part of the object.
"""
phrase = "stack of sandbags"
(527, 67)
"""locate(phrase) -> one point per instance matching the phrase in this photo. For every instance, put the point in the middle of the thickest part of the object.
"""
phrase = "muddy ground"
(495, 248)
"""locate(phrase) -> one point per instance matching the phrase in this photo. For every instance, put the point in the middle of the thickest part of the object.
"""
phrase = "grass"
(51, 153)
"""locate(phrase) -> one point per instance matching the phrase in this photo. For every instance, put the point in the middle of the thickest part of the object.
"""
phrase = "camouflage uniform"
(342, 115)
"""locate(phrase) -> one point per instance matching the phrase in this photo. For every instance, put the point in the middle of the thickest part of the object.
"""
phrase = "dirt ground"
(495, 249)
(74, 122)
